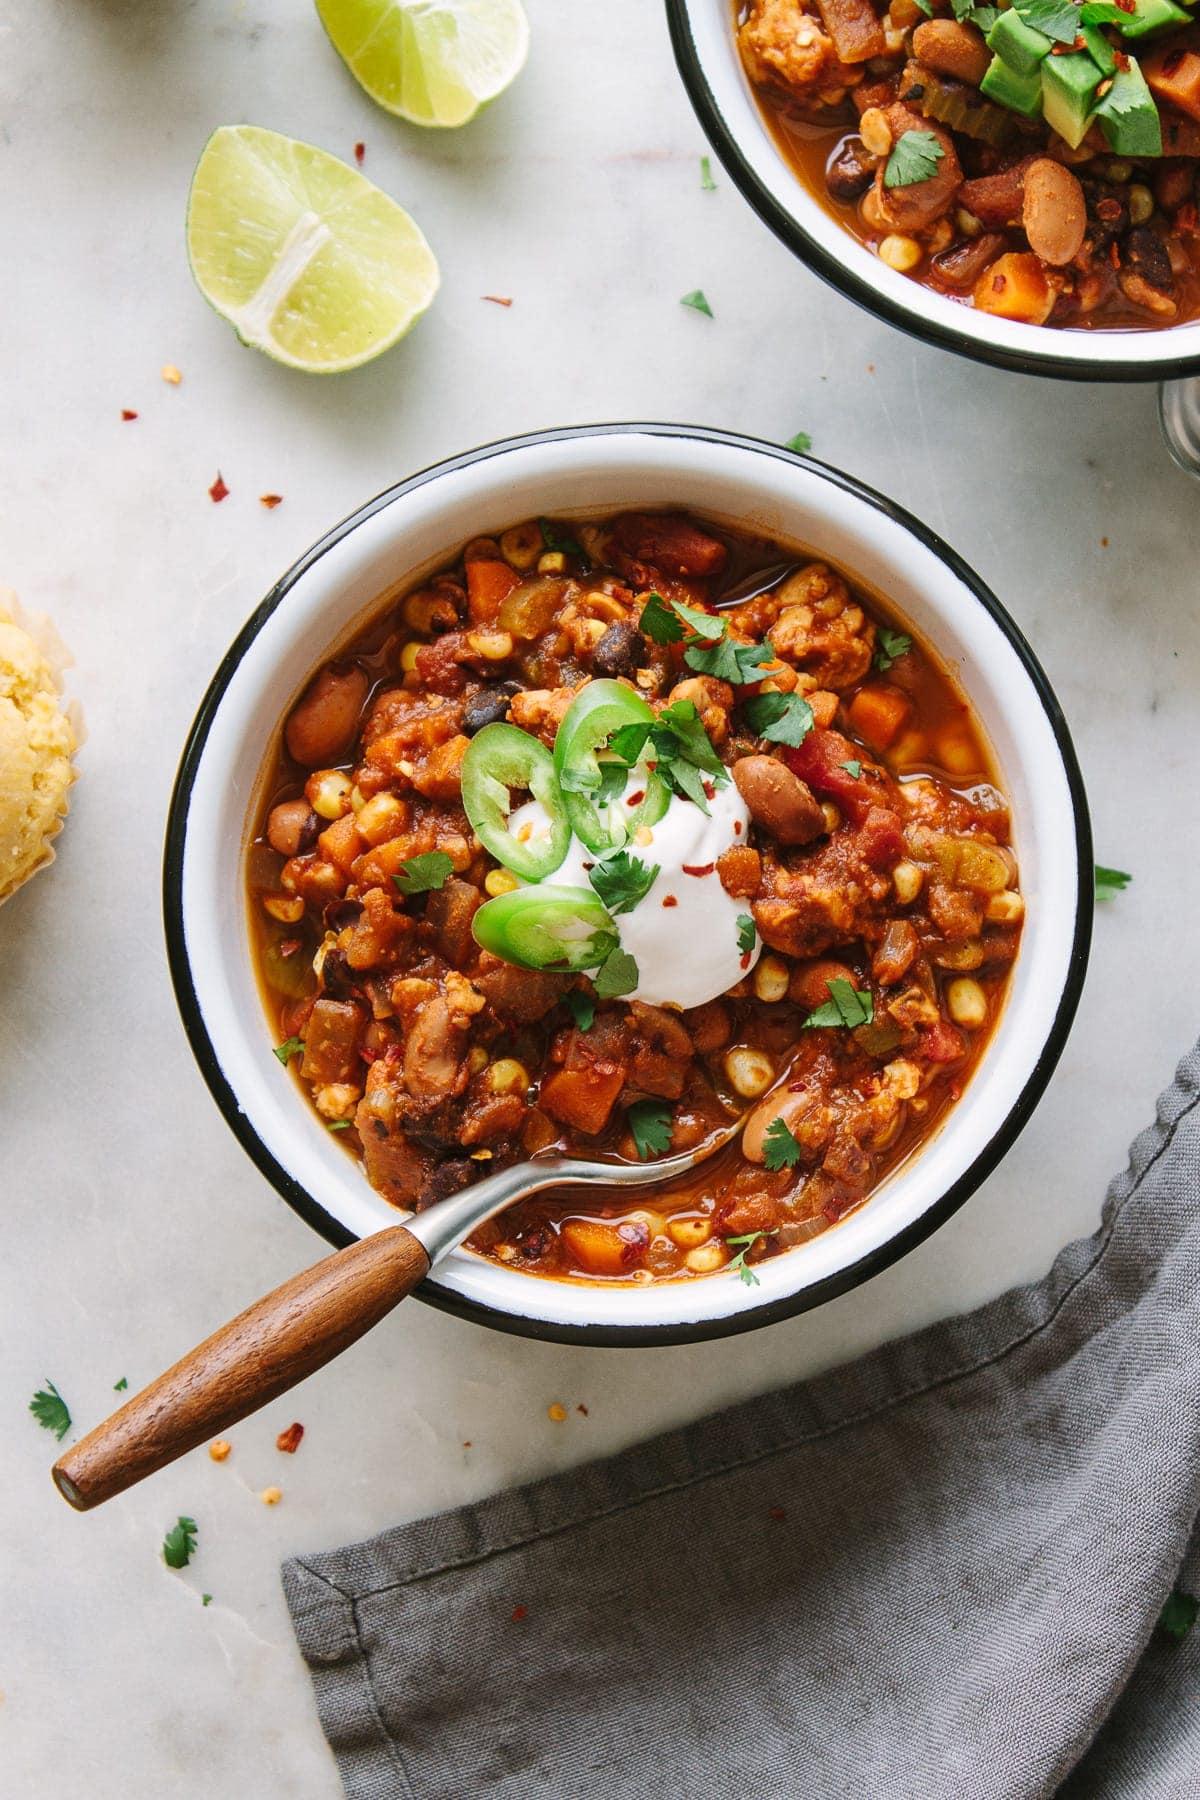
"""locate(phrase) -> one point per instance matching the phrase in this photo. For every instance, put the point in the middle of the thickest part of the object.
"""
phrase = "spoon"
(312, 1318)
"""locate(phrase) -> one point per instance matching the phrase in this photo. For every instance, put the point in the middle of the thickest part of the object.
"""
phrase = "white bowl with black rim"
(326, 599)
(703, 35)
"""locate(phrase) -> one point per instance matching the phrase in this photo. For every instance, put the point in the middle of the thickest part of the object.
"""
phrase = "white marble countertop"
(134, 1222)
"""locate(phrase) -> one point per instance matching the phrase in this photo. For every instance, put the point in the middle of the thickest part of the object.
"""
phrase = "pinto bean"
(952, 49)
(292, 827)
(1053, 211)
(779, 802)
(996, 199)
(917, 206)
(961, 266)
(779, 1104)
(322, 725)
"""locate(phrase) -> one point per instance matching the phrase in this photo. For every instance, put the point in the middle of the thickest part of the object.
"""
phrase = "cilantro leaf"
(686, 780)
(613, 779)
(120, 1386)
(658, 622)
(706, 181)
(801, 443)
(890, 647)
(779, 718)
(1057, 19)
(745, 1273)
(650, 1123)
(780, 1148)
(422, 873)
(617, 974)
(915, 157)
(704, 624)
(290, 1047)
(730, 661)
(628, 742)
(680, 722)
(1110, 882)
(925, 6)
(51, 1411)
(1178, 1615)
(554, 539)
(746, 933)
(697, 302)
(845, 1006)
(622, 880)
(853, 769)
(984, 17)
(179, 1545)
(581, 1007)
(206, 1599)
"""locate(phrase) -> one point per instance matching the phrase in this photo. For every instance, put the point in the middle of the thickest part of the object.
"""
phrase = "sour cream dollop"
(683, 934)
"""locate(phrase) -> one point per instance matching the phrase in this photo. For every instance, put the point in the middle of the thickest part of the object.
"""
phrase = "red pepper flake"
(270, 501)
(699, 868)
(1121, 60)
(368, 1056)
(466, 1443)
(289, 1439)
(581, 1408)
(870, 368)
(709, 789)
(999, 283)
(293, 946)
(746, 955)
(218, 491)
(127, 413)
(737, 828)
(670, 900)
(778, 1514)
(360, 150)
(497, 299)
(518, 1613)
(1104, 543)
(652, 766)
(636, 799)
(1114, 251)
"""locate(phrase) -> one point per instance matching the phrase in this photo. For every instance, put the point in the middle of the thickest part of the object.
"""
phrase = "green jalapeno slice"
(593, 786)
(498, 759)
(547, 928)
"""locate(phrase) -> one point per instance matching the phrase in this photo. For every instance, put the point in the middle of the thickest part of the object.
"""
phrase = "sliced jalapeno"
(593, 789)
(499, 758)
(547, 928)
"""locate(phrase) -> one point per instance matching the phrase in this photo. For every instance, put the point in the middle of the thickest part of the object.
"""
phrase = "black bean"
(1148, 254)
(487, 707)
(620, 651)
(449, 1178)
(848, 173)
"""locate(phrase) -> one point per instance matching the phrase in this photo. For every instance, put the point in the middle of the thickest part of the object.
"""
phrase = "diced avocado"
(1128, 116)
(1150, 15)
(1018, 44)
(1019, 93)
(1099, 48)
(1069, 86)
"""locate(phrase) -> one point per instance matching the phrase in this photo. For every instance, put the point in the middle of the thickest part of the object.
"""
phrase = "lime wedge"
(305, 257)
(435, 62)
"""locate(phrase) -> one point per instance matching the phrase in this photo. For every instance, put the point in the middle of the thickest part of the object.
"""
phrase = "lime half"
(435, 62)
(304, 256)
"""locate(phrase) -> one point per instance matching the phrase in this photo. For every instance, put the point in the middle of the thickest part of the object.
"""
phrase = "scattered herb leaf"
(745, 1273)
(780, 1148)
(746, 934)
(650, 1123)
(801, 443)
(340, 1124)
(206, 1599)
(554, 539)
(614, 778)
(704, 624)
(984, 17)
(1178, 1615)
(679, 733)
(1057, 19)
(290, 1047)
(853, 768)
(51, 1411)
(779, 718)
(120, 1386)
(180, 1543)
(890, 646)
(730, 661)
(420, 874)
(697, 302)
(845, 1006)
(706, 180)
(617, 975)
(622, 880)
(582, 1009)
(915, 157)
(658, 622)
(925, 6)
(1110, 882)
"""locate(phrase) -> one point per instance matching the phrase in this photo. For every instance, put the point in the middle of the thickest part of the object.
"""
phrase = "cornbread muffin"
(37, 741)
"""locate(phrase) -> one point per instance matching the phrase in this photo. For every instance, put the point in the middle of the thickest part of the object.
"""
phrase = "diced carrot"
(1173, 75)
(1015, 287)
(341, 843)
(488, 584)
(583, 1097)
(879, 714)
(595, 1247)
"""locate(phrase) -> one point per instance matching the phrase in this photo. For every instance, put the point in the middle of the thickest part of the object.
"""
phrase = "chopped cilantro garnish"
(658, 622)
(421, 874)
(120, 1386)
(1057, 19)
(290, 1047)
(915, 157)
(554, 539)
(801, 443)
(890, 646)
(51, 1411)
(697, 302)
(779, 718)
(706, 180)
(846, 1006)
(340, 1124)
(679, 748)
(650, 1123)
(746, 934)
(1110, 882)
(745, 1273)
(614, 777)
(206, 1599)
(730, 661)
(704, 624)
(617, 975)
(180, 1543)
(780, 1149)
(853, 768)
(622, 880)
(1178, 1615)
(581, 1007)
(984, 17)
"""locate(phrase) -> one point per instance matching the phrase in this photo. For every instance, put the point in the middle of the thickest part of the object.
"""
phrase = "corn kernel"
(640, 1277)
(1141, 204)
(899, 252)
(557, 1412)
(328, 793)
(220, 1449)
(508, 1076)
(689, 1234)
(357, 798)
(381, 817)
(522, 545)
(907, 879)
(870, 213)
(832, 816)
(938, 237)
(493, 646)
(875, 132)
(706, 1257)
(282, 907)
(506, 1253)
(643, 836)
(171, 374)
(750, 1072)
(1005, 909)
(499, 881)
(478, 1059)
(967, 1003)
(771, 979)
(271, 1496)
(458, 850)
(967, 223)
(408, 657)
(553, 563)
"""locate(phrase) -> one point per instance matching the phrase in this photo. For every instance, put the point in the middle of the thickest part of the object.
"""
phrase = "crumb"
(206, 1599)
(778, 1514)
(218, 491)
(170, 373)
(497, 299)
(466, 1443)
(270, 501)
(360, 150)
(271, 1496)
(1104, 543)
(289, 1439)
(518, 1613)
(220, 1449)
(557, 1412)
(581, 1408)
(127, 413)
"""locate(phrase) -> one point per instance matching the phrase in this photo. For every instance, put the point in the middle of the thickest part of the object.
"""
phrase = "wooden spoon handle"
(264, 1351)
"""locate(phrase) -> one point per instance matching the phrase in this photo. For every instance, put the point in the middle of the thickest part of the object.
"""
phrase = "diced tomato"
(818, 760)
(880, 838)
(942, 1043)
(672, 544)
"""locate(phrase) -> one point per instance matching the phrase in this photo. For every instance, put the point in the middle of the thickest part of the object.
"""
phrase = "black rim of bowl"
(613, 1335)
(833, 270)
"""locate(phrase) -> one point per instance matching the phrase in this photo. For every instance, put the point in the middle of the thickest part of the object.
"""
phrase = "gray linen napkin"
(982, 1525)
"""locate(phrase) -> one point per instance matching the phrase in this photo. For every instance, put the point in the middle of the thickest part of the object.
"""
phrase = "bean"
(777, 1105)
(292, 827)
(487, 707)
(620, 651)
(322, 726)
(953, 49)
(779, 802)
(1053, 211)
(849, 173)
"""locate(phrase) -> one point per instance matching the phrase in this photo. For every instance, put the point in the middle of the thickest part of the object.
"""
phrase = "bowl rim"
(601, 1335)
(917, 322)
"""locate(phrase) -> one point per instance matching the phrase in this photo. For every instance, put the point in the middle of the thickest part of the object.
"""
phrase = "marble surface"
(134, 1222)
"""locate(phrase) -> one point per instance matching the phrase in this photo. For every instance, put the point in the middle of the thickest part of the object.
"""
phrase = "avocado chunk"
(1128, 116)
(1069, 86)
(1019, 93)
(1150, 15)
(1018, 44)
(1099, 49)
